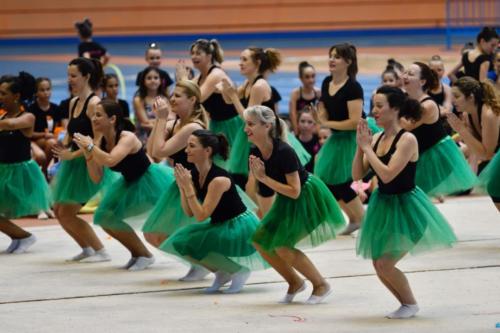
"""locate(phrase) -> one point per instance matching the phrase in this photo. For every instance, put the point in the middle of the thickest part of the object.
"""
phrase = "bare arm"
(430, 114)
(292, 107)
(360, 165)
(216, 188)
(290, 189)
(452, 75)
(447, 105)
(25, 123)
(483, 71)
(162, 148)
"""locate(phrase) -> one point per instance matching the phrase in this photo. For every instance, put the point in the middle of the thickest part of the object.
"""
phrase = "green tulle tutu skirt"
(334, 163)
(127, 205)
(72, 183)
(308, 221)
(167, 215)
(213, 244)
(24, 189)
(372, 125)
(443, 170)
(489, 178)
(395, 224)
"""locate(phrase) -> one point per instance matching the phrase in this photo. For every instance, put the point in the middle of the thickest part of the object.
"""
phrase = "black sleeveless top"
(429, 134)
(439, 97)
(15, 147)
(302, 103)
(473, 68)
(133, 166)
(244, 101)
(80, 124)
(180, 157)
(230, 204)
(215, 105)
(336, 105)
(283, 160)
(405, 180)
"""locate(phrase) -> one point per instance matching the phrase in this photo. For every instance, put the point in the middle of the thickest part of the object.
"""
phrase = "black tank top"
(133, 166)
(180, 157)
(439, 97)
(215, 105)
(302, 103)
(244, 101)
(15, 147)
(80, 124)
(405, 180)
(429, 134)
(230, 204)
(473, 68)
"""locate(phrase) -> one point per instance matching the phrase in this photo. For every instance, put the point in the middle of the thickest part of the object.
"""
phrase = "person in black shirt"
(340, 108)
(153, 58)
(476, 62)
(48, 121)
(127, 199)
(87, 47)
(110, 86)
(400, 217)
(308, 136)
(23, 188)
(297, 206)
(220, 244)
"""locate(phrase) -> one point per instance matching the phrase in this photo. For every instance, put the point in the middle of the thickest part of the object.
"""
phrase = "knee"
(382, 267)
(286, 254)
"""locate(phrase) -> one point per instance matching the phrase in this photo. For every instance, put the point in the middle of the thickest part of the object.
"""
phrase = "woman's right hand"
(62, 153)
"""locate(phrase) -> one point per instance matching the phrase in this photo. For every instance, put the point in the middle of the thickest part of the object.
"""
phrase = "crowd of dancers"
(211, 174)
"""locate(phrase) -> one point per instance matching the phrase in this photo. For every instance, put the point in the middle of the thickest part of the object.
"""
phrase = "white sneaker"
(42, 216)
(98, 256)
(24, 244)
(196, 273)
(141, 263)
(13, 245)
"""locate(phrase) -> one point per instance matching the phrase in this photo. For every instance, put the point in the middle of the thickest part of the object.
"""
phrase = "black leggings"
(343, 191)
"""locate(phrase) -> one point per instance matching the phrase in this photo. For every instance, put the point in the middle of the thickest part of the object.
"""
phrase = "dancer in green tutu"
(400, 217)
(255, 62)
(340, 108)
(219, 244)
(169, 139)
(441, 168)
(206, 57)
(481, 133)
(23, 187)
(298, 208)
(129, 198)
(72, 187)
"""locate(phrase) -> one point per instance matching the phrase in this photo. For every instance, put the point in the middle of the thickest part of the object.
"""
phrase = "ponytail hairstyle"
(191, 89)
(217, 142)
(91, 67)
(111, 108)
(152, 46)
(302, 66)
(427, 74)
(267, 59)
(487, 34)
(408, 108)
(211, 47)
(265, 115)
(484, 92)
(24, 84)
(143, 90)
(84, 28)
(394, 65)
(347, 52)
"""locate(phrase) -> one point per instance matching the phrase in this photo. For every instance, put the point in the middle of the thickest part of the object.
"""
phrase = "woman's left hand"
(456, 123)
(82, 141)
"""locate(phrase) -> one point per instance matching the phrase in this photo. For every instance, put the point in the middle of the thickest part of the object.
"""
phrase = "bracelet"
(90, 147)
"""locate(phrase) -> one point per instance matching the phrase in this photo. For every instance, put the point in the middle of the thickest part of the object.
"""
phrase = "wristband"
(90, 147)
